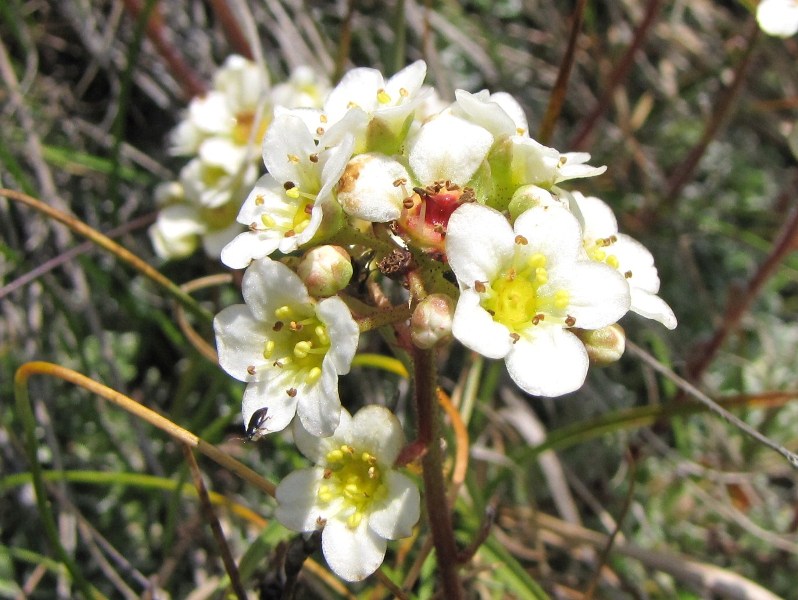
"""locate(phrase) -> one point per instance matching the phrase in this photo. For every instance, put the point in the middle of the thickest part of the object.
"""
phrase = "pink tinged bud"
(325, 270)
(431, 323)
(604, 346)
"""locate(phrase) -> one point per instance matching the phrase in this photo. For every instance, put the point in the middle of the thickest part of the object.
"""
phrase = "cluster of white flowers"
(221, 133)
(458, 192)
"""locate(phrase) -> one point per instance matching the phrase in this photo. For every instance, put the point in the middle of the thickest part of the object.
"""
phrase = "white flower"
(523, 288)
(286, 207)
(304, 88)
(183, 222)
(446, 151)
(499, 113)
(778, 17)
(373, 110)
(629, 257)
(227, 111)
(353, 492)
(534, 163)
(287, 347)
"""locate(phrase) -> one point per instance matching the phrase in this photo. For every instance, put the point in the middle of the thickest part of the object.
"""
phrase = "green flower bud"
(325, 270)
(431, 323)
(604, 346)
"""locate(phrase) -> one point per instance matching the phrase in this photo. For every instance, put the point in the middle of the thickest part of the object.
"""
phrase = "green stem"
(51, 531)
(438, 512)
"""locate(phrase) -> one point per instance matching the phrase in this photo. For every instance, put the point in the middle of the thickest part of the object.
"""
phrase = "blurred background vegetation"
(686, 103)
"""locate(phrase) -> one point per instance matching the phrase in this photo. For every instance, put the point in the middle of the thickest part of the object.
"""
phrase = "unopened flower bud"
(325, 270)
(431, 323)
(529, 196)
(604, 346)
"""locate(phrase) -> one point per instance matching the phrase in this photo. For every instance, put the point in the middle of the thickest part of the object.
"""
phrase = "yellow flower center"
(243, 129)
(518, 299)
(354, 478)
(597, 251)
(299, 342)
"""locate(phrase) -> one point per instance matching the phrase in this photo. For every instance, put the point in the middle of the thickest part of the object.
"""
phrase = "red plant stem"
(557, 97)
(440, 521)
(739, 303)
(617, 77)
(235, 37)
(682, 174)
(189, 81)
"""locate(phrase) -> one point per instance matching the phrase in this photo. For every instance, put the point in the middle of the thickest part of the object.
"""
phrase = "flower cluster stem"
(438, 513)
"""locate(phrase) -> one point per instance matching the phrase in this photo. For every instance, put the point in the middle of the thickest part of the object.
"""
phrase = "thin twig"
(682, 174)
(196, 340)
(713, 406)
(740, 301)
(235, 37)
(207, 510)
(617, 76)
(557, 97)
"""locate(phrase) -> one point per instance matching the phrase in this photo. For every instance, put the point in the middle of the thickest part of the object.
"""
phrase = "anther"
(290, 233)
(278, 325)
(538, 318)
(291, 392)
(308, 209)
(515, 337)
(408, 202)
(570, 321)
(399, 182)
(293, 158)
(251, 369)
(323, 118)
(320, 522)
(628, 274)
(288, 185)
(295, 326)
(521, 240)
(421, 192)
(314, 158)
(319, 130)
(259, 200)
(479, 287)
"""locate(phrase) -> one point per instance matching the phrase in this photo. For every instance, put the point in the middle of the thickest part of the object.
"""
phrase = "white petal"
(598, 294)
(408, 79)
(396, 519)
(247, 246)
(367, 191)
(239, 340)
(343, 331)
(376, 430)
(271, 395)
(778, 17)
(174, 234)
(633, 257)
(479, 240)
(355, 554)
(316, 448)
(481, 111)
(287, 139)
(297, 500)
(552, 231)
(475, 328)
(319, 406)
(214, 241)
(211, 114)
(513, 109)
(358, 87)
(552, 362)
(652, 306)
(268, 285)
(598, 220)
(223, 154)
(449, 148)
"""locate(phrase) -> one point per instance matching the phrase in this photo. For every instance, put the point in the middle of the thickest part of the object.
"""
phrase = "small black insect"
(257, 424)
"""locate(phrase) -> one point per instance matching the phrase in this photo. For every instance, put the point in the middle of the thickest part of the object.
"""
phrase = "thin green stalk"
(25, 413)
